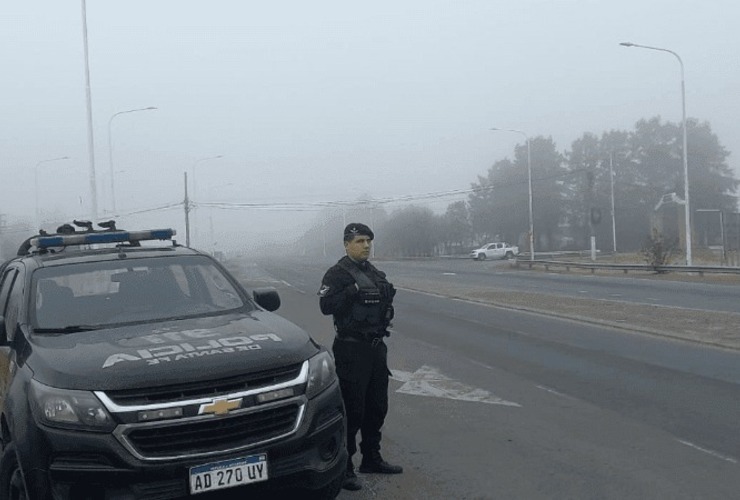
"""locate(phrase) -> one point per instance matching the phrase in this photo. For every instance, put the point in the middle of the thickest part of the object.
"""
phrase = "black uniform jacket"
(343, 298)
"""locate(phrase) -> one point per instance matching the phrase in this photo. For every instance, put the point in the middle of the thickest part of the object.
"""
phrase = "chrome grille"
(206, 435)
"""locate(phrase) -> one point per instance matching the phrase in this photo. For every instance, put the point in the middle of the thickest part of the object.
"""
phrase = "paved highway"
(628, 288)
(495, 403)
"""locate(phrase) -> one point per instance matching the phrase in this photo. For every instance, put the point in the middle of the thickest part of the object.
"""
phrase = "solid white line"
(708, 452)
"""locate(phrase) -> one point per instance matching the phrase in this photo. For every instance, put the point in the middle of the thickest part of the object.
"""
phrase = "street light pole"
(614, 218)
(687, 210)
(90, 139)
(529, 177)
(36, 186)
(110, 154)
(195, 164)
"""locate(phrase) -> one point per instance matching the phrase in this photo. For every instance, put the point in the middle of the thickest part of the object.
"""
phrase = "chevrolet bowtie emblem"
(220, 406)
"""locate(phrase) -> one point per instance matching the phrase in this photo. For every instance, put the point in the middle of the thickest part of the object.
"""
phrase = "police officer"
(360, 298)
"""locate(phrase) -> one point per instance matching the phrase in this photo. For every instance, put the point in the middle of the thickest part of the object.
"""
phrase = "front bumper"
(74, 465)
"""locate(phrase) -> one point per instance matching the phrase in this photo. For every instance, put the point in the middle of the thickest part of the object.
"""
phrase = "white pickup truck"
(499, 250)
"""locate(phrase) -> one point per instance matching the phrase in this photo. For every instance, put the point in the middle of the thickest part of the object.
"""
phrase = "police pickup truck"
(135, 368)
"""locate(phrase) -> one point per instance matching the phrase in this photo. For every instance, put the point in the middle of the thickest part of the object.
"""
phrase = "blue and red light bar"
(62, 240)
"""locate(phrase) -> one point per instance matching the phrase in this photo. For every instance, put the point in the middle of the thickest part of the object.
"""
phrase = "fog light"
(329, 449)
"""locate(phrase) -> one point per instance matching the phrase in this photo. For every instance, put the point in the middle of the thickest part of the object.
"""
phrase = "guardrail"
(593, 266)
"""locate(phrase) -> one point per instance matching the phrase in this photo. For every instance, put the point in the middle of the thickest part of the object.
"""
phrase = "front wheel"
(509, 255)
(481, 256)
(12, 484)
(328, 492)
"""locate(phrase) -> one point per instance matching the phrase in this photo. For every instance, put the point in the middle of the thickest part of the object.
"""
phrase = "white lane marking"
(427, 381)
(449, 274)
(482, 364)
(553, 391)
(291, 286)
(708, 452)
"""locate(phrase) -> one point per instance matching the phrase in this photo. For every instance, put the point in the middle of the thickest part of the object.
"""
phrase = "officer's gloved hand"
(369, 296)
(387, 291)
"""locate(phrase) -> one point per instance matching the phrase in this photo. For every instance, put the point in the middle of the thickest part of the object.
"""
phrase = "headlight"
(321, 373)
(69, 409)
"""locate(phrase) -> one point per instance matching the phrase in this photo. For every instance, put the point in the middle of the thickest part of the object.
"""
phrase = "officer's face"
(358, 248)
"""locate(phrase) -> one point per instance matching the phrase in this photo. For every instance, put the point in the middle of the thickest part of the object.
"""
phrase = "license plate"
(228, 473)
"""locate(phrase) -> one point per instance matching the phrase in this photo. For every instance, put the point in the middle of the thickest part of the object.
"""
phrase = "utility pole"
(187, 213)
(614, 220)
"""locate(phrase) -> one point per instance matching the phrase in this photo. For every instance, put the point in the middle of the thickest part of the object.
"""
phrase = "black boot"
(351, 482)
(374, 464)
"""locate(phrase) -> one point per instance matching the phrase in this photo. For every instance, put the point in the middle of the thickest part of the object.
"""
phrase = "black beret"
(356, 229)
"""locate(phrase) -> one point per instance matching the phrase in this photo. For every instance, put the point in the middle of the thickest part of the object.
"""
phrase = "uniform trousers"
(362, 368)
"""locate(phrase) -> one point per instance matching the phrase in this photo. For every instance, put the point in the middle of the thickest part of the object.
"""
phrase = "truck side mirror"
(267, 298)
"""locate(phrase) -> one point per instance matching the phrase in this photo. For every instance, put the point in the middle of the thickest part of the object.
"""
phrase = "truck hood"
(169, 352)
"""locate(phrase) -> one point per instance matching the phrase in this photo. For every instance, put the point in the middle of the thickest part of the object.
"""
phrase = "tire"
(481, 256)
(12, 484)
(509, 255)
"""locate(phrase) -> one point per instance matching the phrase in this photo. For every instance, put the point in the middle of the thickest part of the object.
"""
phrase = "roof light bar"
(62, 240)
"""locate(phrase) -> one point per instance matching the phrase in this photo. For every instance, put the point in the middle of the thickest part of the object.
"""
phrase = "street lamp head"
(150, 108)
(216, 157)
(627, 44)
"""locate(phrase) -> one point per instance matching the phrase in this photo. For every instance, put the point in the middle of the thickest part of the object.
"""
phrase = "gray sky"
(329, 101)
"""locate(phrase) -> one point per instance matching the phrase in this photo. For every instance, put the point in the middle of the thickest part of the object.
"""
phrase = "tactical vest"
(368, 317)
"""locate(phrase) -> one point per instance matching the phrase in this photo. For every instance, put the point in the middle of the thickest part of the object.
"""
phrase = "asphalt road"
(635, 288)
(489, 402)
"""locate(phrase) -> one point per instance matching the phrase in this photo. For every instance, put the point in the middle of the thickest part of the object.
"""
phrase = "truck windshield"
(78, 296)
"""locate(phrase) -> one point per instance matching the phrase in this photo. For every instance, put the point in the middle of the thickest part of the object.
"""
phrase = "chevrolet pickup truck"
(138, 371)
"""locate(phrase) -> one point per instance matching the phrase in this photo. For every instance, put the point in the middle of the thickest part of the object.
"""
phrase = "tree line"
(572, 195)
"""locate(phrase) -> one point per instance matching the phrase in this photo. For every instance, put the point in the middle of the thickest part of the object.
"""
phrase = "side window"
(15, 303)
(6, 281)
